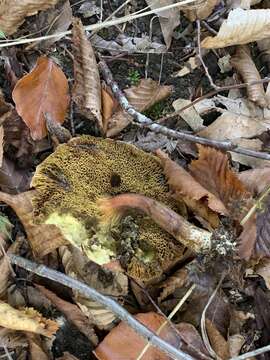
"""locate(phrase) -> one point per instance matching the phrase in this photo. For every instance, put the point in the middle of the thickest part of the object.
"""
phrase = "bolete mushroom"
(69, 184)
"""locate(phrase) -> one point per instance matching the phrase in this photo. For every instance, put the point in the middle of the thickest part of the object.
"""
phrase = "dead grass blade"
(87, 88)
(244, 64)
(241, 27)
(13, 12)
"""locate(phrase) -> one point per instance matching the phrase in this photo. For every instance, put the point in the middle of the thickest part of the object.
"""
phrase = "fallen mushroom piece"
(70, 181)
(191, 236)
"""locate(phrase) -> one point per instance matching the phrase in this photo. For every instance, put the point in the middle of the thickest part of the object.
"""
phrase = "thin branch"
(201, 58)
(253, 353)
(99, 26)
(144, 121)
(210, 94)
(106, 301)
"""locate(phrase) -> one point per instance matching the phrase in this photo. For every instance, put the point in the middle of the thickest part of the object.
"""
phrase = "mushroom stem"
(191, 236)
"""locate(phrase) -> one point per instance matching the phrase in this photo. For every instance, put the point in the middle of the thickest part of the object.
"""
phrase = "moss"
(69, 182)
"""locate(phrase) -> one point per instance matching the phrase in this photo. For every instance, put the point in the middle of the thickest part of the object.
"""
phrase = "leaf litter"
(151, 221)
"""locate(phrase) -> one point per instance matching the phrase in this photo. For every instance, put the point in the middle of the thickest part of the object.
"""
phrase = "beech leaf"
(241, 27)
(244, 64)
(43, 90)
(212, 171)
(26, 319)
(13, 12)
(142, 97)
(86, 91)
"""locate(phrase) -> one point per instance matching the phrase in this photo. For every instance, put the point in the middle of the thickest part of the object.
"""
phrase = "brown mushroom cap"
(70, 181)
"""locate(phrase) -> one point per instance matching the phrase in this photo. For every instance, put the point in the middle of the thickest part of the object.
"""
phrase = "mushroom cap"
(70, 181)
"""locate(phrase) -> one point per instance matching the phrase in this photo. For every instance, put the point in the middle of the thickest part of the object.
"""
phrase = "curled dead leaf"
(241, 27)
(256, 180)
(43, 90)
(13, 12)
(43, 238)
(243, 63)
(26, 319)
(36, 348)
(87, 88)
(141, 97)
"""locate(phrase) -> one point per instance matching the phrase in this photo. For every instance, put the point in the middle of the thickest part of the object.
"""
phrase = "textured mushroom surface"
(77, 174)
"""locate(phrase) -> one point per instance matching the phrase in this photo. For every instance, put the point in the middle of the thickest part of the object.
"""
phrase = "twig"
(174, 311)
(106, 301)
(250, 354)
(198, 22)
(210, 94)
(99, 26)
(142, 120)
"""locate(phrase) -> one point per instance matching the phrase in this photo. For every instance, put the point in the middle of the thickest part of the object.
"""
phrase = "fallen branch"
(144, 121)
(106, 301)
(210, 94)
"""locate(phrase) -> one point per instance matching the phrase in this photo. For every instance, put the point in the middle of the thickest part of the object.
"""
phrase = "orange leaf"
(43, 90)
(212, 171)
(124, 343)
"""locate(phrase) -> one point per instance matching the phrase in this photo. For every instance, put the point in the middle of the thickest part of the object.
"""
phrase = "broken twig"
(144, 121)
(106, 301)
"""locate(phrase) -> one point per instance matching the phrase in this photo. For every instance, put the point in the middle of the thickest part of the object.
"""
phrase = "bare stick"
(201, 58)
(144, 121)
(106, 301)
(253, 353)
(210, 94)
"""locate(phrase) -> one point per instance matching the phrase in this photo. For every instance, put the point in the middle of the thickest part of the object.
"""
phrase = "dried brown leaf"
(97, 314)
(72, 313)
(124, 343)
(264, 48)
(169, 19)
(12, 339)
(256, 180)
(141, 97)
(184, 187)
(241, 27)
(263, 269)
(218, 343)
(235, 344)
(43, 90)
(177, 280)
(13, 12)
(109, 106)
(87, 88)
(202, 11)
(12, 180)
(36, 349)
(43, 238)
(26, 319)
(212, 171)
(243, 63)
